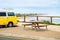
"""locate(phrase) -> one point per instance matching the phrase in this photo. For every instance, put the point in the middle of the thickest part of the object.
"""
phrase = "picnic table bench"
(42, 25)
(26, 25)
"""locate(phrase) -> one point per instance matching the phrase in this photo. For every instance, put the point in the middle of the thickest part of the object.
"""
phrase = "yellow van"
(8, 18)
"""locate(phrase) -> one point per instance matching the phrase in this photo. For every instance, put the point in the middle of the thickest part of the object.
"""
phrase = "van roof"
(1, 10)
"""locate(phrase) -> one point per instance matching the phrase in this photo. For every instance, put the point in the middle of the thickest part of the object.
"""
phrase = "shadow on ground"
(7, 27)
(33, 29)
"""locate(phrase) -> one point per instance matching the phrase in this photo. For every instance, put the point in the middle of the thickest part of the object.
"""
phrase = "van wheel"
(10, 24)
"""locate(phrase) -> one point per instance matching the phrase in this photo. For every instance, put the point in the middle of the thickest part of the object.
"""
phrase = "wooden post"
(37, 18)
(51, 19)
(24, 18)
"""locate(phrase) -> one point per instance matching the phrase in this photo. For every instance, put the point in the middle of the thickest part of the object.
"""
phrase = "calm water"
(55, 20)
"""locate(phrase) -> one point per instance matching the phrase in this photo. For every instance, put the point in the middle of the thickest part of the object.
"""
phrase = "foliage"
(21, 15)
(18, 21)
(17, 38)
(45, 22)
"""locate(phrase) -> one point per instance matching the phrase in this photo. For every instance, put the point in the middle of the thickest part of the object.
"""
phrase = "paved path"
(7, 39)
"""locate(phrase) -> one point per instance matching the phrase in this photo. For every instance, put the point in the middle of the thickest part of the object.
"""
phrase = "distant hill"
(21, 15)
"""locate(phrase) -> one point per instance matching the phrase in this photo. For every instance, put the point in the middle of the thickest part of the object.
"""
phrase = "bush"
(45, 22)
(18, 21)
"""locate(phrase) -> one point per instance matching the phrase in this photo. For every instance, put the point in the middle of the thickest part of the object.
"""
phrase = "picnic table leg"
(38, 27)
(46, 27)
(24, 26)
(35, 28)
(32, 27)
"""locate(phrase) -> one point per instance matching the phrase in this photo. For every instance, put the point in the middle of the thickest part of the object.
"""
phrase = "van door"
(12, 17)
(2, 18)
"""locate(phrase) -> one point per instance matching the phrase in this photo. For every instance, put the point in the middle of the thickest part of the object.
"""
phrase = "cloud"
(32, 6)
(32, 10)
(28, 3)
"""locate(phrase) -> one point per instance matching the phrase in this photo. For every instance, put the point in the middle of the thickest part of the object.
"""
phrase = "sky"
(50, 7)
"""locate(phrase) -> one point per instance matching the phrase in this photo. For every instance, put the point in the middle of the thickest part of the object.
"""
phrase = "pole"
(24, 18)
(37, 18)
(51, 19)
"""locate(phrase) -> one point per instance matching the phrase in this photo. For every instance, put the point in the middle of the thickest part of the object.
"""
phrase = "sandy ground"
(52, 33)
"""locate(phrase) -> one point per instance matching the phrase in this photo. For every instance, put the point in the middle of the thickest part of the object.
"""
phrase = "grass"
(17, 38)
(25, 39)
(7, 37)
(47, 22)
(19, 21)
(21, 38)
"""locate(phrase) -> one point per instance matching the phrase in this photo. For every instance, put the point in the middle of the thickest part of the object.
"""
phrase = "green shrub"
(45, 22)
(18, 21)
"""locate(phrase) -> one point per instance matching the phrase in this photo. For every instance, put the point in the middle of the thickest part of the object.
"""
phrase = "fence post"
(37, 18)
(24, 18)
(51, 19)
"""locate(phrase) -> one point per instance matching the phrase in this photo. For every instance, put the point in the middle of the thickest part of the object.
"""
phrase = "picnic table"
(35, 24)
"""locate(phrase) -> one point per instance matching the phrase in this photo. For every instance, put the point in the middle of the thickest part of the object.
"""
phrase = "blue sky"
(50, 7)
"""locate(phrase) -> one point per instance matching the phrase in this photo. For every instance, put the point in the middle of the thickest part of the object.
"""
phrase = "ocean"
(54, 20)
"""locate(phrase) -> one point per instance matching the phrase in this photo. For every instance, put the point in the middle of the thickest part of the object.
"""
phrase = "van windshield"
(2, 13)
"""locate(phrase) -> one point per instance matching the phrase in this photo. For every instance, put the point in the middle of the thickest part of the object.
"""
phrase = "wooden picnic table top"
(36, 23)
(32, 21)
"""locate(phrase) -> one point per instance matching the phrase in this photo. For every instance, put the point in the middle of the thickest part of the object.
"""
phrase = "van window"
(11, 14)
(2, 13)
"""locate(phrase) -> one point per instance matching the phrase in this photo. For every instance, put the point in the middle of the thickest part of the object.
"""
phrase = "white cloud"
(30, 3)
(20, 3)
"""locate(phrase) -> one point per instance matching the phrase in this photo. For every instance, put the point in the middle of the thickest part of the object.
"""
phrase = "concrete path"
(7, 39)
